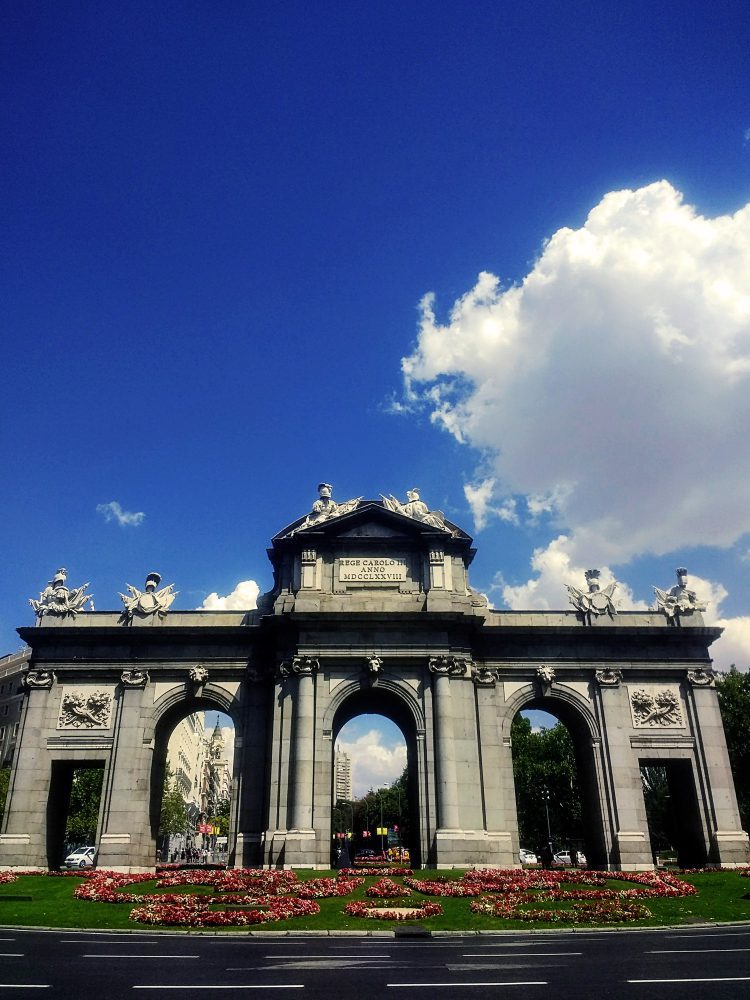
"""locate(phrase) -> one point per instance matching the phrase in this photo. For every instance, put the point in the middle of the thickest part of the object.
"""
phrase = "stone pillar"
(126, 843)
(249, 783)
(623, 798)
(442, 668)
(300, 838)
(728, 842)
(23, 841)
(495, 774)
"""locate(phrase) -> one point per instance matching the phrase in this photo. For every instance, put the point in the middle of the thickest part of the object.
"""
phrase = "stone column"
(728, 842)
(300, 839)
(442, 669)
(623, 799)
(126, 843)
(23, 841)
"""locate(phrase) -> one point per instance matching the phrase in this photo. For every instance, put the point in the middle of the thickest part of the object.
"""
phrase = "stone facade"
(372, 611)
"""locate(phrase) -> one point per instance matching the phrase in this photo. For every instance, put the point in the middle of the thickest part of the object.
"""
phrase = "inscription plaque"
(371, 569)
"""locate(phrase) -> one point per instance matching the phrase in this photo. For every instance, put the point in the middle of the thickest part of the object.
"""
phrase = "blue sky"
(220, 226)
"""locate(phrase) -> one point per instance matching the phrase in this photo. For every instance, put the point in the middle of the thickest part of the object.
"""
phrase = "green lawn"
(721, 897)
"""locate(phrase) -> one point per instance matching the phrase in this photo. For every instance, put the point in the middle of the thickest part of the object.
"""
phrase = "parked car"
(82, 857)
(563, 858)
(527, 857)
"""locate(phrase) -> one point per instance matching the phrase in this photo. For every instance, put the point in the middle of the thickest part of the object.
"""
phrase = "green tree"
(173, 815)
(83, 812)
(545, 761)
(4, 782)
(220, 818)
(733, 689)
(658, 807)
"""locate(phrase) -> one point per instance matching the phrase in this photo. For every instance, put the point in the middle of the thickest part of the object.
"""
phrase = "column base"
(633, 852)
(474, 849)
(730, 848)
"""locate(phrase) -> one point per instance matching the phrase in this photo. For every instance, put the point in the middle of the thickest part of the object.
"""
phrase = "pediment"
(370, 519)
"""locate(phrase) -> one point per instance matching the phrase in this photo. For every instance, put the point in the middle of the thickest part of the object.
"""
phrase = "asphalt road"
(634, 965)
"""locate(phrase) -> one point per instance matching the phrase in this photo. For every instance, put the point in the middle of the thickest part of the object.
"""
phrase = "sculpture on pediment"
(325, 507)
(416, 508)
(79, 710)
(57, 599)
(147, 602)
(678, 600)
(594, 601)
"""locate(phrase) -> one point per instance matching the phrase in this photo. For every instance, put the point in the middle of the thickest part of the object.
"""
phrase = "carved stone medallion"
(656, 709)
(84, 710)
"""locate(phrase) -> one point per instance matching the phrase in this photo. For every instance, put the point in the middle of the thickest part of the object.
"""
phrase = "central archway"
(403, 713)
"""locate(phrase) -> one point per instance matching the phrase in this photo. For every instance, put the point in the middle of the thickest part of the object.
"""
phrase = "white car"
(83, 857)
(527, 857)
(563, 858)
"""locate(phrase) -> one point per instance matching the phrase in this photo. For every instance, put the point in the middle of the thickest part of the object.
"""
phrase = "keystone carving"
(56, 599)
(149, 602)
(593, 602)
(655, 710)
(38, 679)
(609, 677)
(679, 600)
(79, 710)
(545, 677)
(198, 675)
(374, 665)
(453, 666)
(134, 678)
(299, 666)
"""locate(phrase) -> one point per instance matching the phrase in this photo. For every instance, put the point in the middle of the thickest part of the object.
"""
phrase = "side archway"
(575, 714)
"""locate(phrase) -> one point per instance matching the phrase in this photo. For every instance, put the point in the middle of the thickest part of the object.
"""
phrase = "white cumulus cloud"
(555, 571)
(611, 387)
(374, 764)
(244, 597)
(113, 511)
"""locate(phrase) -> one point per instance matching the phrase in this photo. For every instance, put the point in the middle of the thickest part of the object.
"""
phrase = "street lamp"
(545, 797)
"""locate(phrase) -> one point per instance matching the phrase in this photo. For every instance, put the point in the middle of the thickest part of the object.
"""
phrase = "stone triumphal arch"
(371, 611)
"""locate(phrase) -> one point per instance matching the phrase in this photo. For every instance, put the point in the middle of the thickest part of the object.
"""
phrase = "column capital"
(484, 676)
(299, 666)
(38, 679)
(134, 678)
(609, 677)
(449, 666)
(701, 677)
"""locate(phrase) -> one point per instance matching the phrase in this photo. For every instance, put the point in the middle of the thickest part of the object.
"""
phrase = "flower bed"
(366, 870)
(193, 911)
(383, 910)
(385, 888)
(595, 912)
(319, 888)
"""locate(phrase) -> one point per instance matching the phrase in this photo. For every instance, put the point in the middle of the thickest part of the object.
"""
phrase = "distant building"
(342, 789)
(11, 701)
(185, 758)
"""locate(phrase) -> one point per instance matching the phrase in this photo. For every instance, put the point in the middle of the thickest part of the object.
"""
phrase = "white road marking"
(191, 986)
(715, 979)
(24, 986)
(692, 951)
(711, 934)
(338, 958)
(523, 954)
(456, 986)
(103, 955)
